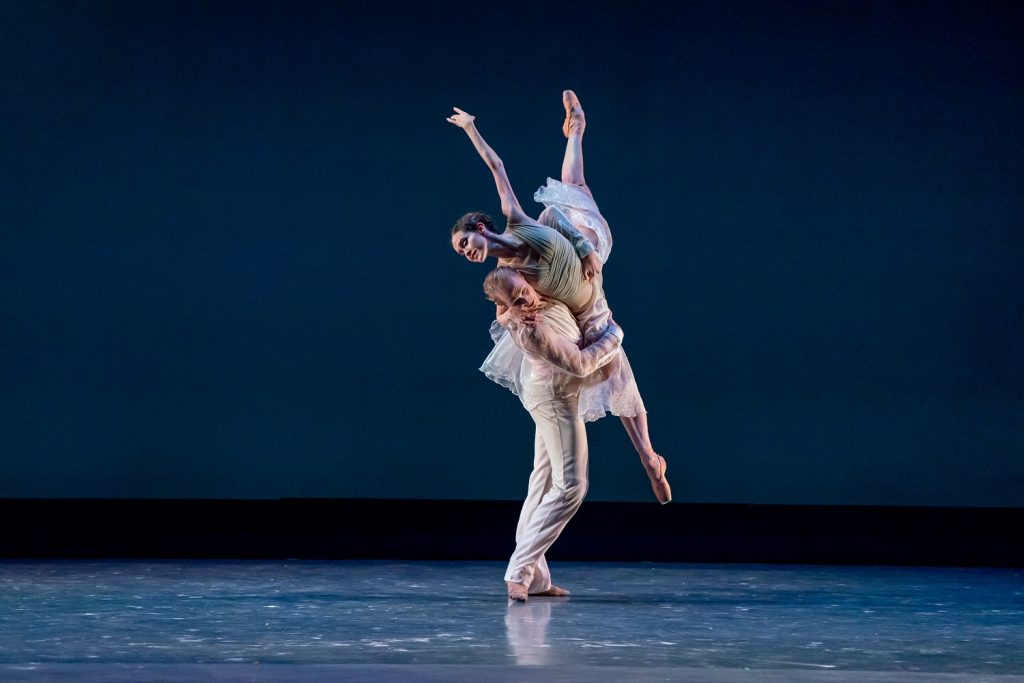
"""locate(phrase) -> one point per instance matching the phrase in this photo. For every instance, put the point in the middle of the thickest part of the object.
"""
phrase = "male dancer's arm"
(565, 355)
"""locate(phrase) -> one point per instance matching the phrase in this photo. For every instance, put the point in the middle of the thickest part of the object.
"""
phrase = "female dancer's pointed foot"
(517, 592)
(575, 121)
(553, 592)
(656, 468)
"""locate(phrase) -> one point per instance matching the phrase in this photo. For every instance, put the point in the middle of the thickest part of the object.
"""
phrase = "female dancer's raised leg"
(572, 174)
(573, 127)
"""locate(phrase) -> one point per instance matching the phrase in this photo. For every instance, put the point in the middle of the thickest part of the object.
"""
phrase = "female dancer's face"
(470, 244)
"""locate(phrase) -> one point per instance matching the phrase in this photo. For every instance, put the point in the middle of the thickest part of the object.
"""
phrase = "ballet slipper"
(553, 592)
(517, 592)
(662, 491)
(575, 121)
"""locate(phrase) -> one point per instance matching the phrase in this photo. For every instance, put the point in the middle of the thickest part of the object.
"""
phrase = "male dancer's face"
(517, 294)
(471, 243)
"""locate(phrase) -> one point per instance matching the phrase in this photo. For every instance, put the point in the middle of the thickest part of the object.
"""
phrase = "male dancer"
(552, 374)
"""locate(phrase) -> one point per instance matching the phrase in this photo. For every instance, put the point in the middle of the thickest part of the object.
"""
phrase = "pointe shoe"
(553, 592)
(517, 592)
(574, 118)
(662, 491)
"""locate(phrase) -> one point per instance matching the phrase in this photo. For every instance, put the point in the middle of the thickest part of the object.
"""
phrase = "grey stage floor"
(384, 621)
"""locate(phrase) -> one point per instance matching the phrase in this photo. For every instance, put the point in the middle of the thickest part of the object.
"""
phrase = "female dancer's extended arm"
(509, 204)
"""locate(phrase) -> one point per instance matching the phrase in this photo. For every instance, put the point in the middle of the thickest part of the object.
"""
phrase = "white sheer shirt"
(554, 366)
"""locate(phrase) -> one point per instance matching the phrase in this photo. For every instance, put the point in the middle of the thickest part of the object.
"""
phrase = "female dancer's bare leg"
(572, 174)
(573, 127)
(655, 465)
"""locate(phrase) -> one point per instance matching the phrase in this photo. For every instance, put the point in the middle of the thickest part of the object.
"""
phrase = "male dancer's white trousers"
(558, 484)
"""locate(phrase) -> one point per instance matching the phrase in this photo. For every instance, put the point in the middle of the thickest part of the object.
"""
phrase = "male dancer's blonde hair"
(498, 280)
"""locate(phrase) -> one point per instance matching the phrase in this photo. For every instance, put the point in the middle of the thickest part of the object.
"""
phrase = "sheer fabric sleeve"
(568, 357)
(579, 241)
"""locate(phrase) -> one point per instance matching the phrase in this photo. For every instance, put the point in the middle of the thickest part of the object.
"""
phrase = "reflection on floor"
(379, 621)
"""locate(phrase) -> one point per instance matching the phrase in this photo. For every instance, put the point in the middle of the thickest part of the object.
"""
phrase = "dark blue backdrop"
(226, 272)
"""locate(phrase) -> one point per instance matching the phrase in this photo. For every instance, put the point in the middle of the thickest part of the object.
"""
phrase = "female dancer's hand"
(461, 119)
(591, 265)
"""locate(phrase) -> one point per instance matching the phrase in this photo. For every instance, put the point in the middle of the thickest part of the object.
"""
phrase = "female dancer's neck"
(504, 247)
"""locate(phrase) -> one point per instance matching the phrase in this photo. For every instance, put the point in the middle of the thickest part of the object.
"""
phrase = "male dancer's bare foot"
(656, 466)
(517, 591)
(553, 592)
(575, 121)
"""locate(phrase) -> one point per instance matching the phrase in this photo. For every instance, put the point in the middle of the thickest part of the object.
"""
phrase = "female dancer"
(561, 256)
